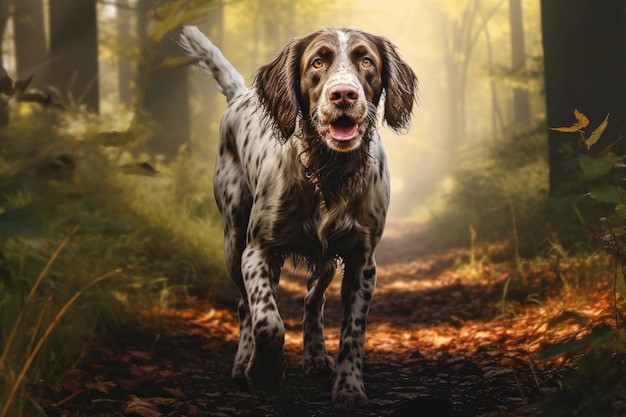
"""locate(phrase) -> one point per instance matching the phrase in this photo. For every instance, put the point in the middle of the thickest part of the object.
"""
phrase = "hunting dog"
(301, 172)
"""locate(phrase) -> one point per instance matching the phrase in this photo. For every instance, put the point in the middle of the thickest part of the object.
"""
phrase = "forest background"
(107, 147)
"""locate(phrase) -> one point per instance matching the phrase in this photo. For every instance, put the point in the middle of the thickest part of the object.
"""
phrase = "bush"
(500, 190)
(91, 233)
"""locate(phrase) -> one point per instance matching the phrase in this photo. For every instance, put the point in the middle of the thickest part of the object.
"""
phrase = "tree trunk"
(166, 97)
(521, 102)
(125, 72)
(4, 17)
(31, 50)
(584, 44)
(74, 50)
(454, 129)
(497, 121)
(460, 37)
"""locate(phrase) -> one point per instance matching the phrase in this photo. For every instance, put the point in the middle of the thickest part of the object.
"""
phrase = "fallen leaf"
(176, 391)
(102, 386)
(137, 406)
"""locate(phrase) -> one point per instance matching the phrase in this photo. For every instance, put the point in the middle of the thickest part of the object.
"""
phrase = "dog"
(301, 173)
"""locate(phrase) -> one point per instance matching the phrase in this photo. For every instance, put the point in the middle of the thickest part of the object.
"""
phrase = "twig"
(66, 399)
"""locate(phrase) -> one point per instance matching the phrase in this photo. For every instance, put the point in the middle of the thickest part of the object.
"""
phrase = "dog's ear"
(400, 85)
(277, 86)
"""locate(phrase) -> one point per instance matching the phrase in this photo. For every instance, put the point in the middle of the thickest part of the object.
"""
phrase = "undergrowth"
(489, 198)
(151, 229)
(595, 385)
(90, 233)
(501, 195)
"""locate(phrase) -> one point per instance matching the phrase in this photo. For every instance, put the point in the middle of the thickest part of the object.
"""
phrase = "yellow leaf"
(595, 136)
(177, 13)
(163, 19)
(574, 128)
(581, 122)
(169, 9)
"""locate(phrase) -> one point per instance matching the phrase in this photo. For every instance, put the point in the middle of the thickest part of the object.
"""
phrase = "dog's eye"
(367, 62)
(317, 63)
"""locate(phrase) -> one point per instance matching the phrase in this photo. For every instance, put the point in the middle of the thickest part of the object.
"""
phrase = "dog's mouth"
(344, 129)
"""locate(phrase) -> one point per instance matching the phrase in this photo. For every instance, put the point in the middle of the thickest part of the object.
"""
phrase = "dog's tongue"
(344, 129)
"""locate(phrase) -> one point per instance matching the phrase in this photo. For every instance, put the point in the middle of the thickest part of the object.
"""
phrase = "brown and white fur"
(301, 172)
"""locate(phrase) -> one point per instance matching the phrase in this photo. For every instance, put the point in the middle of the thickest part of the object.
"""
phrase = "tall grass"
(46, 323)
(89, 234)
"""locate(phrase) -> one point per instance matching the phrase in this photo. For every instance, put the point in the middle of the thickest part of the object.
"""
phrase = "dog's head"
(333, 79)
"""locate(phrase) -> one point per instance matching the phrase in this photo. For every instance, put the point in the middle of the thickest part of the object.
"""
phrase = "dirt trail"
(433, 349)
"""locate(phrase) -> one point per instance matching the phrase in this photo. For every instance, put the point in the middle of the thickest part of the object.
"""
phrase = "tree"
(31, 50)
(584, 44)
(521, 102)
(74, 50)
(166, 96)
(124, 25)
(460, 35)
(4, 17)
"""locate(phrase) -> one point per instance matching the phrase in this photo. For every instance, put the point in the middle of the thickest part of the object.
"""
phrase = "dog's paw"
(345, 399)
(239, 371)
(318, 365)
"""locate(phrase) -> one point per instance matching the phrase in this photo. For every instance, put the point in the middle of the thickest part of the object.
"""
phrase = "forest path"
(436, 346)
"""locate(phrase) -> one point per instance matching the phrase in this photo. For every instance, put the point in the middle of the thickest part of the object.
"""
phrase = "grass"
(91, 232)
(37, 341)
(90, 235)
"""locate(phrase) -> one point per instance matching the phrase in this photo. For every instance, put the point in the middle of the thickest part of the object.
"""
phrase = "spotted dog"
(301, 172)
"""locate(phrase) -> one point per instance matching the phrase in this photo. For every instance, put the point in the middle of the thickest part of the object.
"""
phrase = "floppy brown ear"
(276, 86)
(400, 85)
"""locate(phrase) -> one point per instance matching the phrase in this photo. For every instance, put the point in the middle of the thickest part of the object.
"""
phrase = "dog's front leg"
(261, 273)
(356, 296)
(315, 356)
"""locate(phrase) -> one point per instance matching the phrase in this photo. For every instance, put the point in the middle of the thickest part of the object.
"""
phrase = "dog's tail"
(196, 44)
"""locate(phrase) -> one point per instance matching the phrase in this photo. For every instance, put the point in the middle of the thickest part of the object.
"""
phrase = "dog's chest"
(315, 231)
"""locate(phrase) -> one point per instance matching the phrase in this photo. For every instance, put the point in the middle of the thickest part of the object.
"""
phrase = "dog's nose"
(343, 95)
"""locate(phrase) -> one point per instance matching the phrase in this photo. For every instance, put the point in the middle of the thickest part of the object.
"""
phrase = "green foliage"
(91, 231)
(177, 13)
(603, 172)
(153, 233)
(596, 385)
(529, 77)
(500, 192)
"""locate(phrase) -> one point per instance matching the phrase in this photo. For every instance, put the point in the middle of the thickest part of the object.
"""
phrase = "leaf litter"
(439, 343)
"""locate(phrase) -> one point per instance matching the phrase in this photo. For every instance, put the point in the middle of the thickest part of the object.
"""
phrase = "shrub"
(90, 233)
